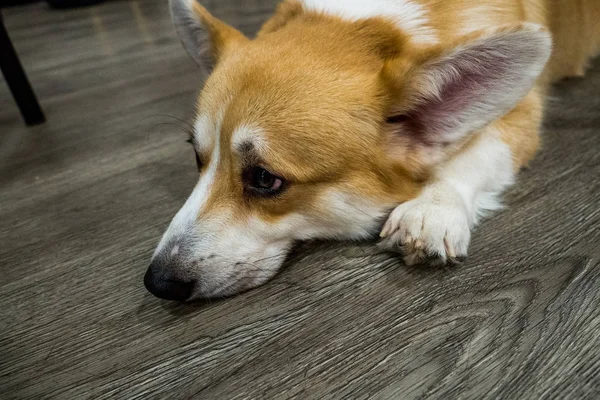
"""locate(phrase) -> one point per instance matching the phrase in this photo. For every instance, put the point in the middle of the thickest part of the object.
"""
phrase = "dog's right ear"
(444, 96)
(205, 37)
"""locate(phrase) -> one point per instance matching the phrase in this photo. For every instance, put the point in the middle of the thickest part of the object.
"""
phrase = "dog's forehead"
(265, 78)
(297, 112)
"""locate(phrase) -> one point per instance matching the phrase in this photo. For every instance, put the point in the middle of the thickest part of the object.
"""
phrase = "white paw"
(429, 229)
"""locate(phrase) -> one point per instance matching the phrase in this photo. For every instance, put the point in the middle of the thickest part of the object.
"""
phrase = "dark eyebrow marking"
(248, 153)
(245, 147)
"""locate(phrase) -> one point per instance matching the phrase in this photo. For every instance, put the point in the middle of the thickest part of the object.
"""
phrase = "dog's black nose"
(162, 284)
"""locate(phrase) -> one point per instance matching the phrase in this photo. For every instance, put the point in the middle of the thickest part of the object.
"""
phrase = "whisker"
(151, 130)
(181, 124)
(166, 116)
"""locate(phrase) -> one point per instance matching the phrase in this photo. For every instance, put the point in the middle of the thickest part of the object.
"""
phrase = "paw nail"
(449, 249)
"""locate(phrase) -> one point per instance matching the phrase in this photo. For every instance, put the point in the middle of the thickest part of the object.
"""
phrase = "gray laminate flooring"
(85, 198)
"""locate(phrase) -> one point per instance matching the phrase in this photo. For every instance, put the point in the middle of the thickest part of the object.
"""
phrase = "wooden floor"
(85, 198)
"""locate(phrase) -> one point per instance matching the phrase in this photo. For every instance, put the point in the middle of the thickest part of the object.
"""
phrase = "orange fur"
(311, 82)
(307, 117)
(407, 115)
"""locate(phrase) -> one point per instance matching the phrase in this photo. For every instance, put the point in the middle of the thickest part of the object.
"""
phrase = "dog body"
(341, 114)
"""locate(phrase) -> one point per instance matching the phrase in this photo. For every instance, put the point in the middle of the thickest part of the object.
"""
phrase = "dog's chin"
(246, 276)
(240, 278)
(229, 289)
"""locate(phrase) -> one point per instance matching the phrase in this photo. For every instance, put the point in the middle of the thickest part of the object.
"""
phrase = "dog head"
(316, 129)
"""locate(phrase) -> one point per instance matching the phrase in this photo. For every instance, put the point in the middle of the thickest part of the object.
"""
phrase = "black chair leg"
(17, 81)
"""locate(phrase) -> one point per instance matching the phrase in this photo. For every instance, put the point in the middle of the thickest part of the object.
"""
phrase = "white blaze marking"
(408, 15)
(204, 134)
(187, 215)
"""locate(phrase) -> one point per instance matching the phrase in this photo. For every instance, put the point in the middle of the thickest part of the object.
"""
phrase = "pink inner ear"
(466, 85)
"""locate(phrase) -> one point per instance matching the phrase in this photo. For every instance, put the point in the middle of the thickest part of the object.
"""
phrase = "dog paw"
(428, 232)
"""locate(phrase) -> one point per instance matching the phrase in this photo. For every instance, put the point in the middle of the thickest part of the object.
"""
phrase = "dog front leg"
(435, 228)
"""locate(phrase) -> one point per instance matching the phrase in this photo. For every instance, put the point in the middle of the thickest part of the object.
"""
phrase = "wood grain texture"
(85, 198)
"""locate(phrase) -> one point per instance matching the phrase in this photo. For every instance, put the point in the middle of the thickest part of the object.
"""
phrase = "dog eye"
(198, 161)
(262, 181)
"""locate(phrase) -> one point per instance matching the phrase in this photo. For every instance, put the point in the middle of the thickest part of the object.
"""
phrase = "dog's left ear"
(205, 37)
(441, 97)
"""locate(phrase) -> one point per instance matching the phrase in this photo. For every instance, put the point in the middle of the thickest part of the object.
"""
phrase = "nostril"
(166, 287)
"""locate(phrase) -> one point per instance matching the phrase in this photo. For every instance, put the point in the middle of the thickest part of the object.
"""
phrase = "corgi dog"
(403, 120)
